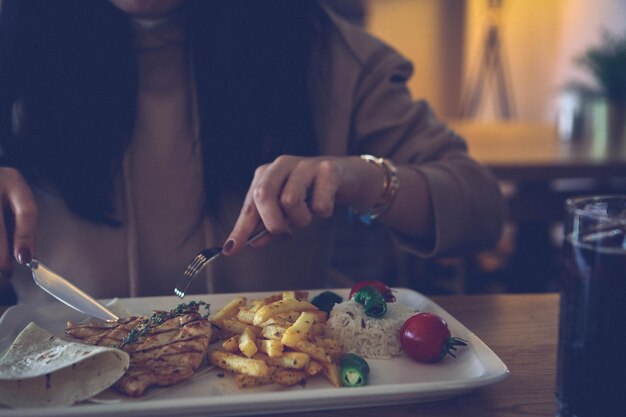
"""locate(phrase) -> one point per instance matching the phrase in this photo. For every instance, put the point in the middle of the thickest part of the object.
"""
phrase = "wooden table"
(522, 331)
(522, 151)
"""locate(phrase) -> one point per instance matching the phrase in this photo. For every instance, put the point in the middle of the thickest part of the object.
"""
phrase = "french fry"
(273, 332)
(271, 347)
(229, 310)
(330, 345)
(292, 316)
(291, 360)
(238, 327)
(231, 344)
(249, 381)
(298, 331)
(289, 377)
(299, 295)
(278, 322)
(279, 339)
(239, 364)
(245, 316)
(289, 295)
(314, 351)
(277, 330)
(267, 311)
(313, 368)
(247, 343)
(289, 316)
(255, 305)
(332, 372)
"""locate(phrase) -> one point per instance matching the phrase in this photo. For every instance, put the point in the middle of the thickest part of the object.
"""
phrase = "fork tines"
(203, 258)
(194, 267)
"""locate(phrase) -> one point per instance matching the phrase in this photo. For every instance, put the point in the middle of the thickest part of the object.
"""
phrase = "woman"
(135, 133)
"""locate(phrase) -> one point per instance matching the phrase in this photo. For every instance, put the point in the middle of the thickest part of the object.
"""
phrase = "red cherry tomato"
(425, 337)
(381, 287)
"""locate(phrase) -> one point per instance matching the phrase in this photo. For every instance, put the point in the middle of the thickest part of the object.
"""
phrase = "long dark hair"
(68, 69)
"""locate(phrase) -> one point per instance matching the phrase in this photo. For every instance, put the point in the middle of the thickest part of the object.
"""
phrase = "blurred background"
(445, 39)
(510, 76)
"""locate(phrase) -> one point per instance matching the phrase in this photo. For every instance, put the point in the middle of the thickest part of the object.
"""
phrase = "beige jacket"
(362, 105)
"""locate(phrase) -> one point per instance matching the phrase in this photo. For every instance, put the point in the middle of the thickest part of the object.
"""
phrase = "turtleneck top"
(163, 166)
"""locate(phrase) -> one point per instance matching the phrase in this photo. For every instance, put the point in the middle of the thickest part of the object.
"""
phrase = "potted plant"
(607, 63)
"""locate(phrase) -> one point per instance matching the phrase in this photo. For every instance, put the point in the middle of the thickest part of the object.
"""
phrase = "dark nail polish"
(228, 246)
(23, 256)
(6, 274)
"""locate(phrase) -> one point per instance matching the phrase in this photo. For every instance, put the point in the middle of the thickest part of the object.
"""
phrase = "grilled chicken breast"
(165, 348)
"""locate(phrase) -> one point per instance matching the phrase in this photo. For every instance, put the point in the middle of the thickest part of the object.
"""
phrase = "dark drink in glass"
(591, 369)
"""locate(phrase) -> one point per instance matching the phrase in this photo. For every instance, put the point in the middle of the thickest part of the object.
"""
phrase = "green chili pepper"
(373, 301)
(354, 370)
(326, 300)
(376, 306)
(364, 293)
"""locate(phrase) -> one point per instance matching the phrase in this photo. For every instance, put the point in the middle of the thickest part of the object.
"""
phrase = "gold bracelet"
(391, 183)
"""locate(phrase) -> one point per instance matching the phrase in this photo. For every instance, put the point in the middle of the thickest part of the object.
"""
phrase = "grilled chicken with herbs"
(165, 348)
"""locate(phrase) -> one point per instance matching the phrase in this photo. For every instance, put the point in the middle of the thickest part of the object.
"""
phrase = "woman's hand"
(292, 190)
(18, 220)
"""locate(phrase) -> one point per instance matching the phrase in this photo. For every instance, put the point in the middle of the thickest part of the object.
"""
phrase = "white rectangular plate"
(394, 381)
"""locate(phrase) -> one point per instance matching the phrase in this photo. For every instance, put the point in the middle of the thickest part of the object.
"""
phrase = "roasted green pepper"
(326, 300)
(373, 302)
(354, 370)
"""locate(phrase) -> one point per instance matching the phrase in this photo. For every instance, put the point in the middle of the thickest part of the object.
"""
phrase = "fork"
(198, 263)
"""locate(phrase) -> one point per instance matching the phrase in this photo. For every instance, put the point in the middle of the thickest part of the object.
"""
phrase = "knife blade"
(68, 293)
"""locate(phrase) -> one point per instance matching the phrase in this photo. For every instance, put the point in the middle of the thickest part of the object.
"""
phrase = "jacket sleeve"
(468, 206)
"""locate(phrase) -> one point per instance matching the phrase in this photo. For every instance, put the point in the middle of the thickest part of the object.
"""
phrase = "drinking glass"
(591, 368)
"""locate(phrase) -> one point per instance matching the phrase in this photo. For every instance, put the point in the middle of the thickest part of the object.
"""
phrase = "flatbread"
(41, 370)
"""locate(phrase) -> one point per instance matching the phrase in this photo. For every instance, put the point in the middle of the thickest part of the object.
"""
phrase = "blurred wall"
(540, 38)
(430, 34)
(528, 36)
(582, 23)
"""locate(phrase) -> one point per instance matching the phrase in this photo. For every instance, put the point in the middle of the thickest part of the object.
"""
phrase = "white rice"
(369, 337)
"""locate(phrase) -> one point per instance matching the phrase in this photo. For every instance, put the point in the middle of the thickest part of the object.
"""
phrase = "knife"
(68, 293)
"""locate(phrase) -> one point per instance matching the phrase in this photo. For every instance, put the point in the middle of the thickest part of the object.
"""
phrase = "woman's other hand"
(18, 221)
(292, 190)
